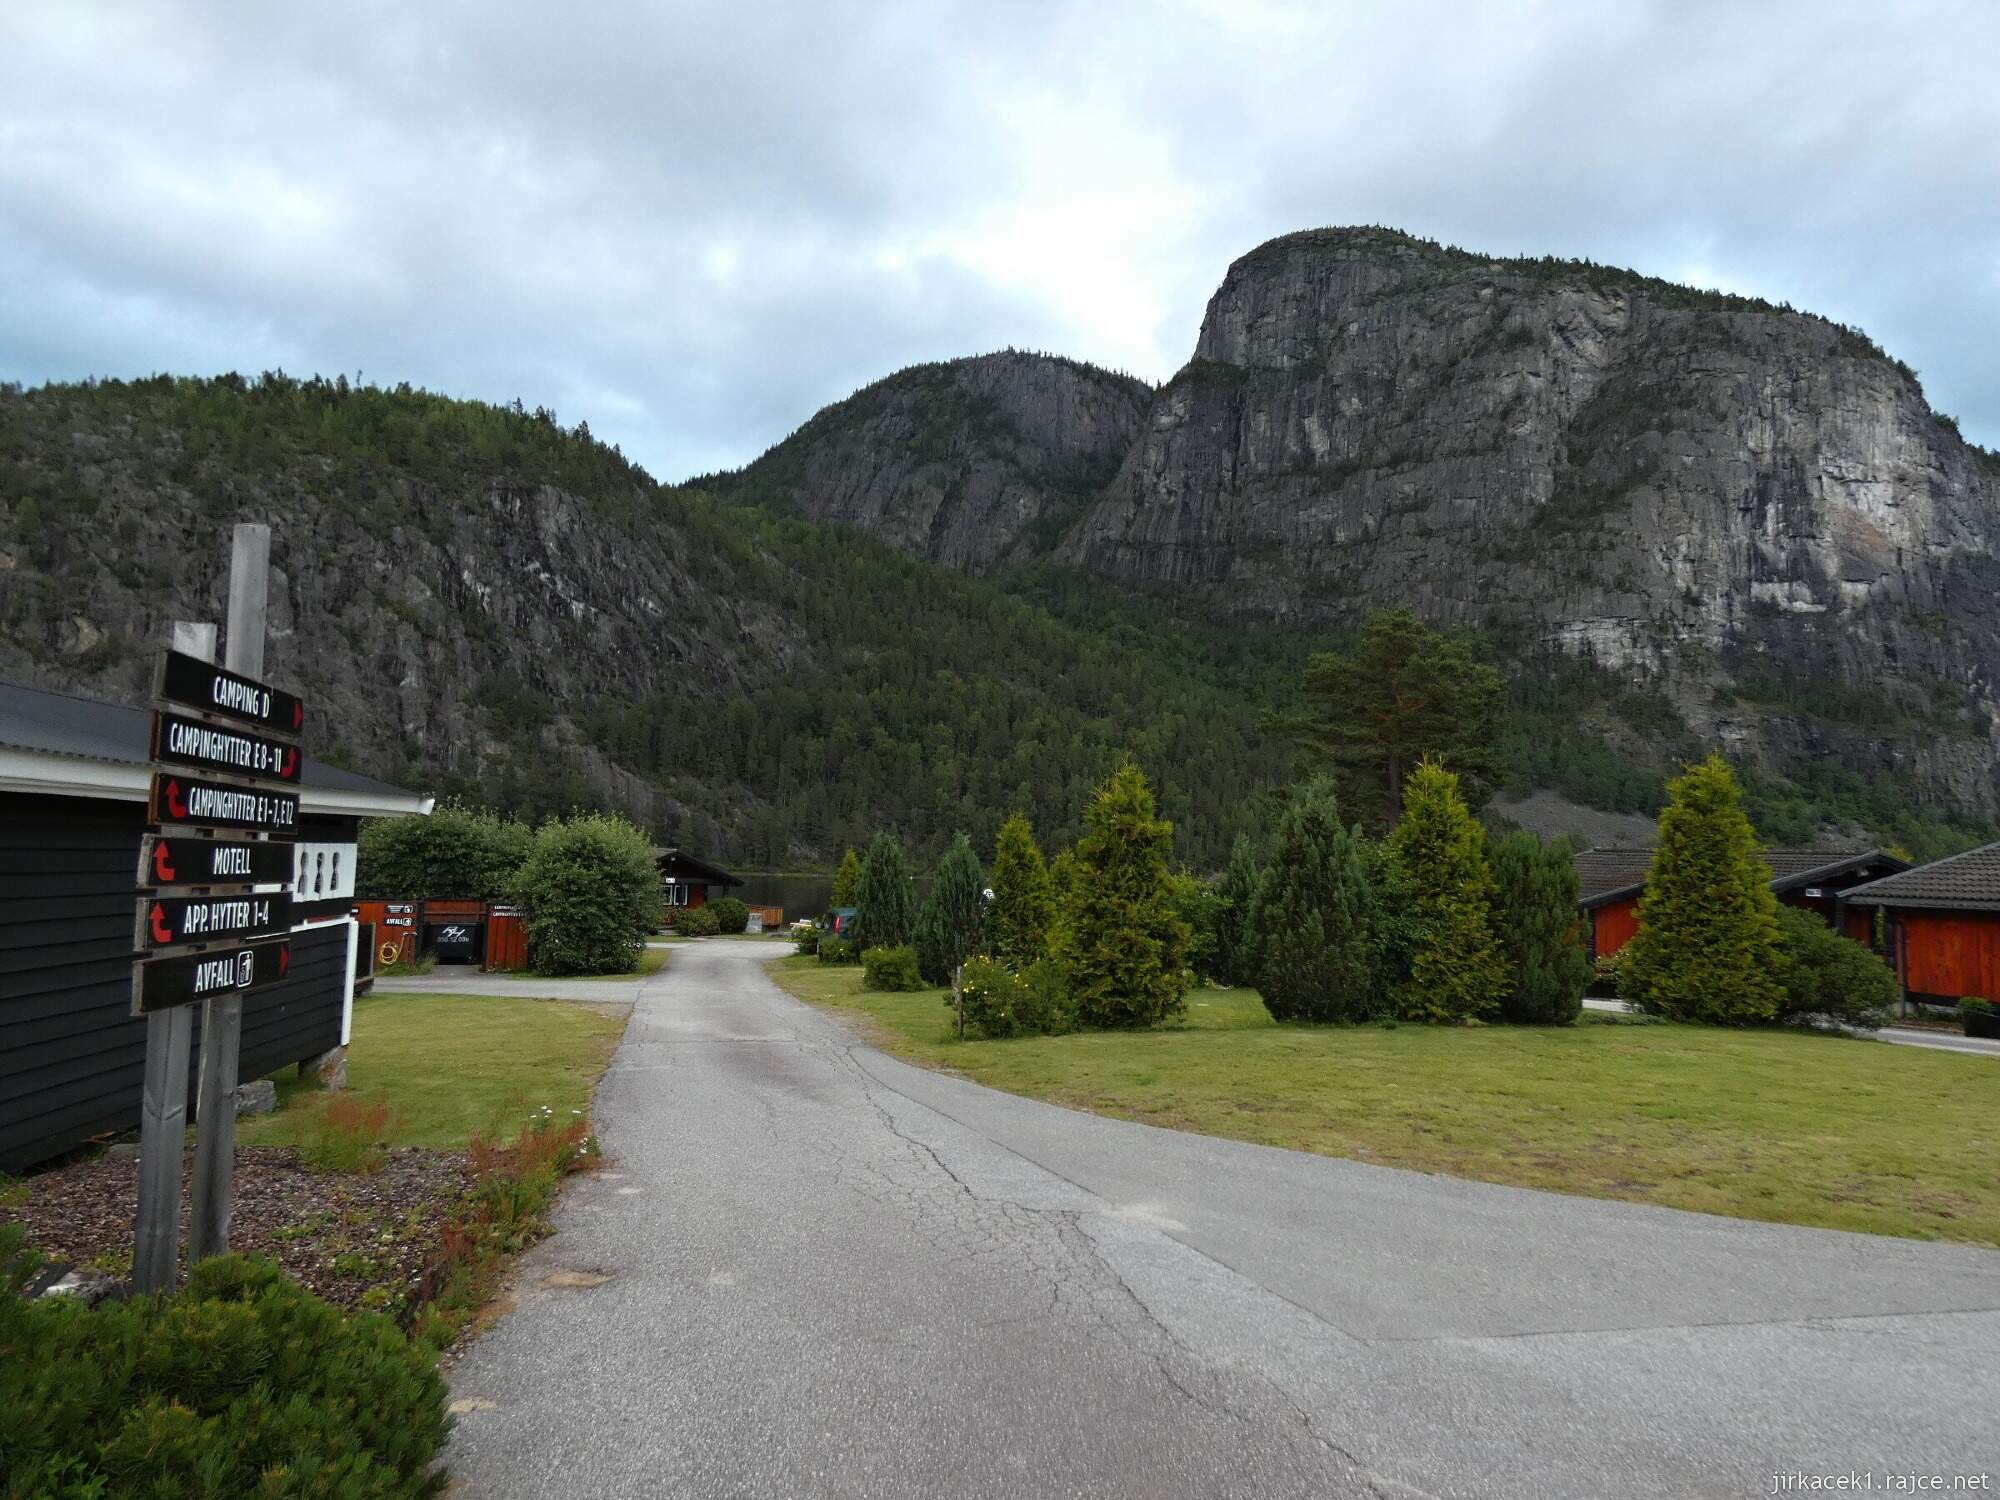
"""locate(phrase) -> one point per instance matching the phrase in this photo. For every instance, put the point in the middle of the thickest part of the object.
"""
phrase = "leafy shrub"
(1235, 959)
(1974, 1005)
(833, 950)
(1534, 916)
(1044, 1004)
(992, 996)
(805, 937)
(1604, 974)
(453, 852)
(697, 921)
(244, 1383)
(892, 969)
(1830, 975)
(1201, 908)
(730, 915)
(592, 894)
(1979, 1017)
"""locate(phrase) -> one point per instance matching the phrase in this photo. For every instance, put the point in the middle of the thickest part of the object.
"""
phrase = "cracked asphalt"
(828, 1273)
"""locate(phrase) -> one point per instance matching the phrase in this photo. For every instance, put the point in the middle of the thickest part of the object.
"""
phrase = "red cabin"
(1944, 925)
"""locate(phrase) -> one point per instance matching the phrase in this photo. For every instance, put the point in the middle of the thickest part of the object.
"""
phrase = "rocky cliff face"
(1745, 504)
(968, 463)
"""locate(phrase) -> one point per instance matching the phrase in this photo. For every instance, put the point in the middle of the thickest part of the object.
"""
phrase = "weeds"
(347, 1136)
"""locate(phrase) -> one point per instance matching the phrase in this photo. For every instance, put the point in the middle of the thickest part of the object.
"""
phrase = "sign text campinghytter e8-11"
(181, 741)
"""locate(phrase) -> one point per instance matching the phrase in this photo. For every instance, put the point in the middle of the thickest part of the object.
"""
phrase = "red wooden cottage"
(1944, 925)
(686, 880)
(1613, 880)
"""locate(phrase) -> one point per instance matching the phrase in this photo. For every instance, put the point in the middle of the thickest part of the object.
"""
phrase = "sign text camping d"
(194, 802)
(181, 741)
(171, 862)
(169, 921)
(165, 982)
(194, 683)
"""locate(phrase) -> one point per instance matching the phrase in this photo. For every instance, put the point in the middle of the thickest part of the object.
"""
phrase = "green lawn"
(452, 1066)
(1793, 1128)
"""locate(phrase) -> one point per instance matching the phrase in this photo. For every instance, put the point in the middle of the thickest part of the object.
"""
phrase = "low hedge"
(731, 915)
(893, 969)
(833, 950)
(244, 1383)
(696, 921)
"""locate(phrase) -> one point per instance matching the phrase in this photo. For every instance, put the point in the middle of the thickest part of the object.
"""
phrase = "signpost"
(217, 848)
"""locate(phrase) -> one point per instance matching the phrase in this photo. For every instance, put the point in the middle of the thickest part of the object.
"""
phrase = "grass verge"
(1776, 1125)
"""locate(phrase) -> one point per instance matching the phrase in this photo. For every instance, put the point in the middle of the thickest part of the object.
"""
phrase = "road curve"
(830, 1273)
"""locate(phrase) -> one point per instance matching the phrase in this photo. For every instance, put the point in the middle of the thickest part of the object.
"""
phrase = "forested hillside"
(481, 602)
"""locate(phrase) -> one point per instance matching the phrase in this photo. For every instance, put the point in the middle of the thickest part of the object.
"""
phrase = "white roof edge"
(44, 773)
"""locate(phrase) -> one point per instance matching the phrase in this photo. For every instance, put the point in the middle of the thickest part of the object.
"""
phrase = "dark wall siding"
(72, 1055)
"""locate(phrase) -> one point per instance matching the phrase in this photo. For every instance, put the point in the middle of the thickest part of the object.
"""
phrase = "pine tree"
(1234, 958)
(1120, 947)
(886, 900)
(847, 880)
(1310, 920)
(1535, 918)
(1456, 969)
(948, 926)
(1022, 896)
(1708, 947)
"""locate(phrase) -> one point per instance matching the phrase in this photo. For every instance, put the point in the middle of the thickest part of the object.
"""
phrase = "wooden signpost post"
(207, 911)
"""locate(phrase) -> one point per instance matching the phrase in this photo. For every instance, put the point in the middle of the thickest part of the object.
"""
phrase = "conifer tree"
(1234, 961)
(948, 926)
(1022, 895)
(1535, 918)
(1120, 946)
(1456, 969)
(1310, 919)
(1708, 946)
(886, 902)
(847, 880)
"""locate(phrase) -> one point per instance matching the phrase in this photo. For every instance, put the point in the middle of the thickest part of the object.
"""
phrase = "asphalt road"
(1902, 1036)
(833, 1274)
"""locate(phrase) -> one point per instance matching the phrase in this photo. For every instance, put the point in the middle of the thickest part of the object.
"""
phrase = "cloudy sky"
(692, 225)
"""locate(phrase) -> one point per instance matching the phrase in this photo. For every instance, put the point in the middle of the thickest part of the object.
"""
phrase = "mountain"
(971, 463)
(1746, 510)
(479, 601)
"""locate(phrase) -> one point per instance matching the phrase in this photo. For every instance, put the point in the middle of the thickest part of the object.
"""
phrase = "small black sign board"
(193, 800)
(194, 683)
(169, 921)
(159, 983)
(181, 741)
(188, 861)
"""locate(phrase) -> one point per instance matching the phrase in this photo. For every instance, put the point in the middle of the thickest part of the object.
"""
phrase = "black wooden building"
(73, 781)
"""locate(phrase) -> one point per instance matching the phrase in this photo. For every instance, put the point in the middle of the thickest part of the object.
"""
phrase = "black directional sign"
(169, 921)
(181, 741)
(182, 861)
(162, 982)
(194, 683)
(216, 804)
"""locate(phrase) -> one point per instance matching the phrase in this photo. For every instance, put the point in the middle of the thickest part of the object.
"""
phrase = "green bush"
(1456, 969)
(696, 921)
(244, 1383)
(991, 994)
(1021, 894)
(1311, 919)
(1830, 975)
(1534, 916)
(833, 950)
(805, 937)
(892, 969)
(1604, 974)
(730, 915)
(1707, 948)
(1973, 1005)
(887, 903)
(453, 852)
(592, 895)
(1237, 890)
(953, 913)
(1045, 1004)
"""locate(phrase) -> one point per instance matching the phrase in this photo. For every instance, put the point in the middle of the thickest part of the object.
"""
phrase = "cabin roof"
(1959, 882)
(58, 744)
(1606, 875)
(673, 860)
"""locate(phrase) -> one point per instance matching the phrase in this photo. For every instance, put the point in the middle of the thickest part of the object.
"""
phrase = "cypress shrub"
(1456, 972)
(1022, 895)
(591, 893)
(244, 1383)
(1535, 917)
(1237, 889)
(893, 969)
(847, 880)
(1122, 947)
(1707, 948)
(1831, 976)
(1311, 918)
(948, 926)
(886, 902)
